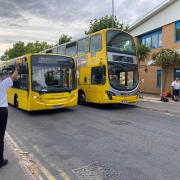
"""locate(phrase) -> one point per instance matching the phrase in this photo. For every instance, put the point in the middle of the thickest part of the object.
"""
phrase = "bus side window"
(54, 51)
(24, 83)
(96, 43)
(71, 49)
(49, 51)
(4, 73)
(61, 50)
(98, 75)
(1, 72)
(16, 83)
(83, 46)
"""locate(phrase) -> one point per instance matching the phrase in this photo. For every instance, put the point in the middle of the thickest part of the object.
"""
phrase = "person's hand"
(17, 67)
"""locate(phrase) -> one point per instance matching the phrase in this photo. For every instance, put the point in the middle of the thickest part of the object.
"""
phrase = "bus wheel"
(81, 98)
(16, 104)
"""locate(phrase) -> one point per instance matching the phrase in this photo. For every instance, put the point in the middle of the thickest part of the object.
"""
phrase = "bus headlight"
(35, 97)
(110, 94)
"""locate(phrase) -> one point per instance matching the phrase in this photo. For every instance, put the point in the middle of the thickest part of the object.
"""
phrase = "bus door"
(21, 86)
(98, 79)
(94, 90)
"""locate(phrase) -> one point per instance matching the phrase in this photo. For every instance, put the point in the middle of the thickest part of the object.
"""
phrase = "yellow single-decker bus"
(44, 82)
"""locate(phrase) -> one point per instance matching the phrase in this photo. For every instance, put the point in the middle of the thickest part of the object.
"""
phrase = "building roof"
(152, 13)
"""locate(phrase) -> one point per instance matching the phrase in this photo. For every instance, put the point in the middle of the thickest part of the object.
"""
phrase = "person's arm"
(172, 85)
(15, 73)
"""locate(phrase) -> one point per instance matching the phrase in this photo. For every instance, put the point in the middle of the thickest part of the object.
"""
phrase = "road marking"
(23, 159)
(63, 174)
(46, 173)
(41, 167)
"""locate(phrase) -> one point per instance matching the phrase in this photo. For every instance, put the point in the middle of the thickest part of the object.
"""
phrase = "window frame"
(149, 35)
(177, 23)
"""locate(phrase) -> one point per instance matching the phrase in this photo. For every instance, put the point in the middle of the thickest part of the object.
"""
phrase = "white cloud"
(46, 20)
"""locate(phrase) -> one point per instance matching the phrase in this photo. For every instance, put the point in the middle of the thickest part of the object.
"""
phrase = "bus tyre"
(81, 98)
(16, 104)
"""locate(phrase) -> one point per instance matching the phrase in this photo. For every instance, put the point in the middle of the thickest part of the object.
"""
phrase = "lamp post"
(113, 13)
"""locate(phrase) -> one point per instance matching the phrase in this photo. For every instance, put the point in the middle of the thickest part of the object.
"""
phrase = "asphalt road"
(96, 142)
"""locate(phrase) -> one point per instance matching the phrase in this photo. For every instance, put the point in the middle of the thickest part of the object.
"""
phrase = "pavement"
(13, 170)
(153, 102)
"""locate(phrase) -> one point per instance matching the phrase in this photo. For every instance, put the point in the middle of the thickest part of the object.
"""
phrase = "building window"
(160, 40)
(158, 78)
(177, 31)
(176, 73)
(152, 40)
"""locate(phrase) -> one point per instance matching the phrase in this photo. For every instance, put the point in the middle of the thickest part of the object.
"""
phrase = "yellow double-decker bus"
(44, 82)
(107, 66)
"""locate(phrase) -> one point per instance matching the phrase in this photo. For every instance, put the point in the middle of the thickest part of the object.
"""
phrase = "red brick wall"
(148, 80)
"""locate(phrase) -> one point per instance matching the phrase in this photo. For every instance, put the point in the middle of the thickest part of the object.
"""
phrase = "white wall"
(166, 16)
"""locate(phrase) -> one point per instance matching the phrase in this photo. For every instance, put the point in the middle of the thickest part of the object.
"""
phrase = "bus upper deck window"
(71, 49)
(83, 46)
(61, 50)
(96, 43)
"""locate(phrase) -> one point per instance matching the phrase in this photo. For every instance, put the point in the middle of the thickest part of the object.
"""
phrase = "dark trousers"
(176, 92)
(3, 123)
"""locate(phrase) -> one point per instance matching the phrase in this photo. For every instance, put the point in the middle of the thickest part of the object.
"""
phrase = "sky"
(46, 20)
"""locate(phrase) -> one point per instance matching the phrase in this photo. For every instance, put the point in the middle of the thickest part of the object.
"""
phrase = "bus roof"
(27, 55)
(86, 36)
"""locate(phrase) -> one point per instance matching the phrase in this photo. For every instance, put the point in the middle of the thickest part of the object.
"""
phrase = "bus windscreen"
(120, 42)
(52, 74)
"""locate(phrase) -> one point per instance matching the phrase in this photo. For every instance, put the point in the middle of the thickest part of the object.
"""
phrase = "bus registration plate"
(57, 107)
(125, 102)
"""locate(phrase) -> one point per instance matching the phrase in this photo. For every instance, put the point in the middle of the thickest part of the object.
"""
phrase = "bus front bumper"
(121, 99)
(48, 102)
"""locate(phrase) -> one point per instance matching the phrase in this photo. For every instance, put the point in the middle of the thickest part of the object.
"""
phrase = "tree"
(142, 52)
(36, 47)
(64, 38)
(165, 58)
(19, 49)
(104, 23)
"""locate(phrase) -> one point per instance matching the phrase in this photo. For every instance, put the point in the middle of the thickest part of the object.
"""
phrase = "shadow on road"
(43, 112)
(110, 106)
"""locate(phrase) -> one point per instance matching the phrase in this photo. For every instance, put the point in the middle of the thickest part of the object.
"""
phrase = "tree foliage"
(165, 58)
(64, 38)
(142, 52)
(19, 49)
(104, 23)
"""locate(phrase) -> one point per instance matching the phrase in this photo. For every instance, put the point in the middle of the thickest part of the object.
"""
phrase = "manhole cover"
(120, 123)
(95, 171)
